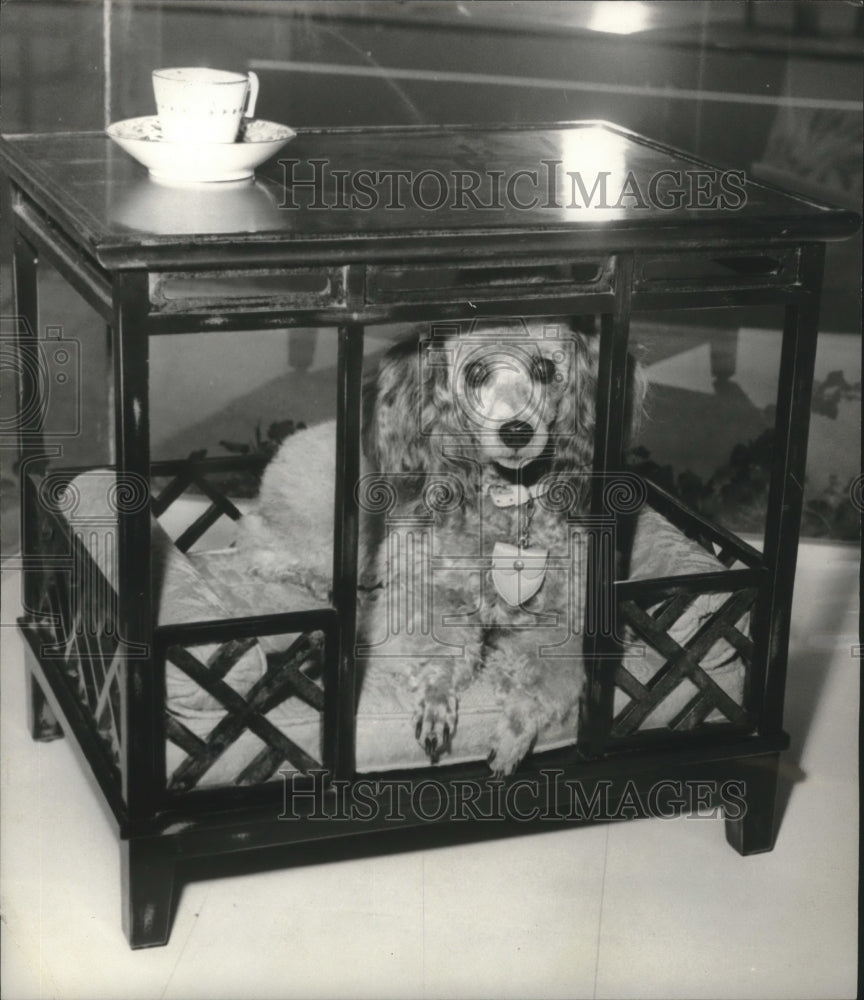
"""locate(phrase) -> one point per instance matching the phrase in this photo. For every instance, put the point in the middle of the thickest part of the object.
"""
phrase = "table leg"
(724, 355)
(754, 831)
(41, 721)
(772, 618)
(30, 412)
(600, 643)
(147, 871)
(340, 705)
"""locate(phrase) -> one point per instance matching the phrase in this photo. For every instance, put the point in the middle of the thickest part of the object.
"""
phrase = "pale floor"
(653, 908)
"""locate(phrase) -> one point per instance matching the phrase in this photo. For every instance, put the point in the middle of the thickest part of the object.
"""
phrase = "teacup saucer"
(182, 163)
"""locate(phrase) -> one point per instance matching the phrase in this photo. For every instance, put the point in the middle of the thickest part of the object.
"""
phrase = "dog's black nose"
(516, 433)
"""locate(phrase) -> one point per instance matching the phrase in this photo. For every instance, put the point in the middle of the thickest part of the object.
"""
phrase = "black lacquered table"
(346, 229)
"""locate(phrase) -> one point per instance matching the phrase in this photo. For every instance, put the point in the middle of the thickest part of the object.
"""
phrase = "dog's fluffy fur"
(450, 419)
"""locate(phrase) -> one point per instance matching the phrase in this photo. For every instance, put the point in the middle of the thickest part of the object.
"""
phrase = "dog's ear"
(391, 401)
(401, 409)
(575, 419)
(575, 422)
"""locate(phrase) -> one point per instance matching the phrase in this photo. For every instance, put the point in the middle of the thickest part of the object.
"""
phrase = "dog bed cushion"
(205, 585)
(179, 593)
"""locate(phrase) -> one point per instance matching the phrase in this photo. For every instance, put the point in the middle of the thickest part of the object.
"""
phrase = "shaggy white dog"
(482, 442)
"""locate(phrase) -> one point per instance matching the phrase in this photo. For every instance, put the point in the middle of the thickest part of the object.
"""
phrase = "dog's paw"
(510, 744)
(435, 723)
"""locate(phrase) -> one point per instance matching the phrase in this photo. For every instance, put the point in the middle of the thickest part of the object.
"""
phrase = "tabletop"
(383, 193)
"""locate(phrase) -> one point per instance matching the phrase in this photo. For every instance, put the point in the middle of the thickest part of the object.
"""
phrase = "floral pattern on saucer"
(149, 129)
(257, 130)
(184, 163)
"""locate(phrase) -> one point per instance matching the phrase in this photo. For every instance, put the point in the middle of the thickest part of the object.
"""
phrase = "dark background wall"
(770, 87)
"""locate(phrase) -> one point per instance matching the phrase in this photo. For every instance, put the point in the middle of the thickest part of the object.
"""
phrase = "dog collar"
(515, 495)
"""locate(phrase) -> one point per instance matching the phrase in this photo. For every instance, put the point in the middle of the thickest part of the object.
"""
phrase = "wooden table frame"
(770, 252)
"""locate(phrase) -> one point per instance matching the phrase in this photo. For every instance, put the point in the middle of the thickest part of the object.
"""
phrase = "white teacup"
(197, 104)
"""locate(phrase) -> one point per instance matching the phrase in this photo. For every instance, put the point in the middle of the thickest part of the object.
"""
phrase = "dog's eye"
(476, 373)
(543, 370)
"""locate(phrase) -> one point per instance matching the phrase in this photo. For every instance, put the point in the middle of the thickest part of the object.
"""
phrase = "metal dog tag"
(518, 573)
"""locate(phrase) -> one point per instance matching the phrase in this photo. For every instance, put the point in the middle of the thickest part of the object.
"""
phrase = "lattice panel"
(193, 476)
(82, 605)
(295, 673)
(685, 690)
